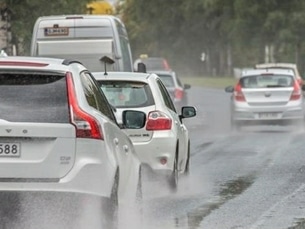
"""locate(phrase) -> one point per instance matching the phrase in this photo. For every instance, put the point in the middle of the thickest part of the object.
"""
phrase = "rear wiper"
(276, 86)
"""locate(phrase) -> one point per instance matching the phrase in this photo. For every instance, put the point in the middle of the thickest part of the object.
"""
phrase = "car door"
(118, 141)
(182, 133)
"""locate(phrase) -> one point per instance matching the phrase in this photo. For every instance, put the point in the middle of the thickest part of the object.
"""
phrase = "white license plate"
(268, 115)
(10, 149)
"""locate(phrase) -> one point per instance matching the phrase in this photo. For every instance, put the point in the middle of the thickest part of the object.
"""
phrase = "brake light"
(179, 94)
(157, 120)
(165, 64)
(86, 125)
(300, 81)
(296, 93)
(238, 94)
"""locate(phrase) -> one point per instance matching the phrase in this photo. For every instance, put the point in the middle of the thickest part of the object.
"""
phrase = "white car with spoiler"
(267, 96)
(159, 135)
(59, 136)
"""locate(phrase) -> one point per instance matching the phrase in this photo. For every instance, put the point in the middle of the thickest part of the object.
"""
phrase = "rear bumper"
(151, 153)
(268, 114)
(92, 173)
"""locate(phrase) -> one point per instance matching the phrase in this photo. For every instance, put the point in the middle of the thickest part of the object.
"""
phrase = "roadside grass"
(213, 82)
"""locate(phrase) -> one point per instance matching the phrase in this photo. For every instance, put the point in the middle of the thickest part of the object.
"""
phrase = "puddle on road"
(228, 191)
(300, 224)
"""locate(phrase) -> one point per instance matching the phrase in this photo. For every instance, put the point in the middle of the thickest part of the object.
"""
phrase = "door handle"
(126, 148)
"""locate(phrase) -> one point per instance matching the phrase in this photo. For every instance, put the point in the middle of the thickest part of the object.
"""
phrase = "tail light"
(296, 93)
(165, 64)
(238, 94)
(86, 125)
(300, 81)
(157, 120)
(179, 94)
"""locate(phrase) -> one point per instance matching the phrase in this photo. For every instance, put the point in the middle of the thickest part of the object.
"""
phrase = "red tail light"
(86, 125)
(296, 93)
(238, 94)
(166, 65)
(300, 81)
(179, 94)
(157, 120)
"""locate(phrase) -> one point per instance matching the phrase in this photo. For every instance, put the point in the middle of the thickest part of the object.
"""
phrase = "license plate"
(268, 115)
(59, 31)
(10, 150)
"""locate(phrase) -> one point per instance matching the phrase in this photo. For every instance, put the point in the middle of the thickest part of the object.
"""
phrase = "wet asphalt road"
(252, 179)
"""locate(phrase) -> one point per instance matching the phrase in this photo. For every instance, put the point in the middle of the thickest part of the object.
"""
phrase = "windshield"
(122, 94)
(267, 81)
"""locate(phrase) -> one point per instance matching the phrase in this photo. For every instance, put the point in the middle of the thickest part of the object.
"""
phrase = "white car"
(159, 135)
(59, 136)
(267, 96)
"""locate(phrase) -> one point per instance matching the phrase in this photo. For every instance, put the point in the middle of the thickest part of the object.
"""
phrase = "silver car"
(266, 96)
(160, 137)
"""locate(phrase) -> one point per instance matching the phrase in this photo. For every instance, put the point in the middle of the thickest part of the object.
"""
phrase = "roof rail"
(69, 61)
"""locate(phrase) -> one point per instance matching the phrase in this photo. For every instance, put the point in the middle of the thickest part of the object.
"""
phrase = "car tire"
(139, 194)
(187, 165)
(235, 126)
(113, 204)
(174, 177)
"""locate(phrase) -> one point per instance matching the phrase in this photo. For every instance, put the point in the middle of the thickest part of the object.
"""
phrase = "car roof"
(279, 65)
(26, 62)
(250, 72)
(130, 76)
(162, 72)
(71, 16)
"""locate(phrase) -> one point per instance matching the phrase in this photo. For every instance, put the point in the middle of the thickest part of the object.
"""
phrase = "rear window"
(155, 64)
(123, 94)
(267, 81)
(33, 97)
(167, 80)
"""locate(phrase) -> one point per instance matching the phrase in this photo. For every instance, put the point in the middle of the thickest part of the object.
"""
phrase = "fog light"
(163, 160)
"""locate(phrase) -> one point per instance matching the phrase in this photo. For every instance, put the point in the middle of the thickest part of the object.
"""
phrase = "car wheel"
(113, 204)
(187, 165)
(174, 177)
(235, 126)
(139, 194)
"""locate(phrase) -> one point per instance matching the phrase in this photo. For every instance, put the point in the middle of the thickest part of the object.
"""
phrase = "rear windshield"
(124, 94)
(155, 64)
(267, 81)
(33, 97)
(167, 80)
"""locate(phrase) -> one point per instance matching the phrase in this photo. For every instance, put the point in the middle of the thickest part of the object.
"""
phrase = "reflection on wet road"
(248, 179)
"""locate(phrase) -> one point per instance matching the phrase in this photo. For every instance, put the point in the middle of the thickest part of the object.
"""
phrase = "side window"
(166, 97)
(95, 96)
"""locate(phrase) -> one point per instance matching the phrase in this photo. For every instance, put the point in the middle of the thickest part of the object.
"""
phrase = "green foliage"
(25, 12)
(239, 29)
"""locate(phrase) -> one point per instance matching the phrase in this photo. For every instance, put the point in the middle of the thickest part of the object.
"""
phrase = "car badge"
(267, 94)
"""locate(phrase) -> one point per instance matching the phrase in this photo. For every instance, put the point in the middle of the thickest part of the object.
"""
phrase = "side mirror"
(229, 89)
(133, 119)
(187, 86)
(188, 112)
(141, 67)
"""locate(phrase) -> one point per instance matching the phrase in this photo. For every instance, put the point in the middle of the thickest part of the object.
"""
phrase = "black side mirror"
(229, 89)
(133, 119)
(187, 86)
(188, 112)
(141, 67)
